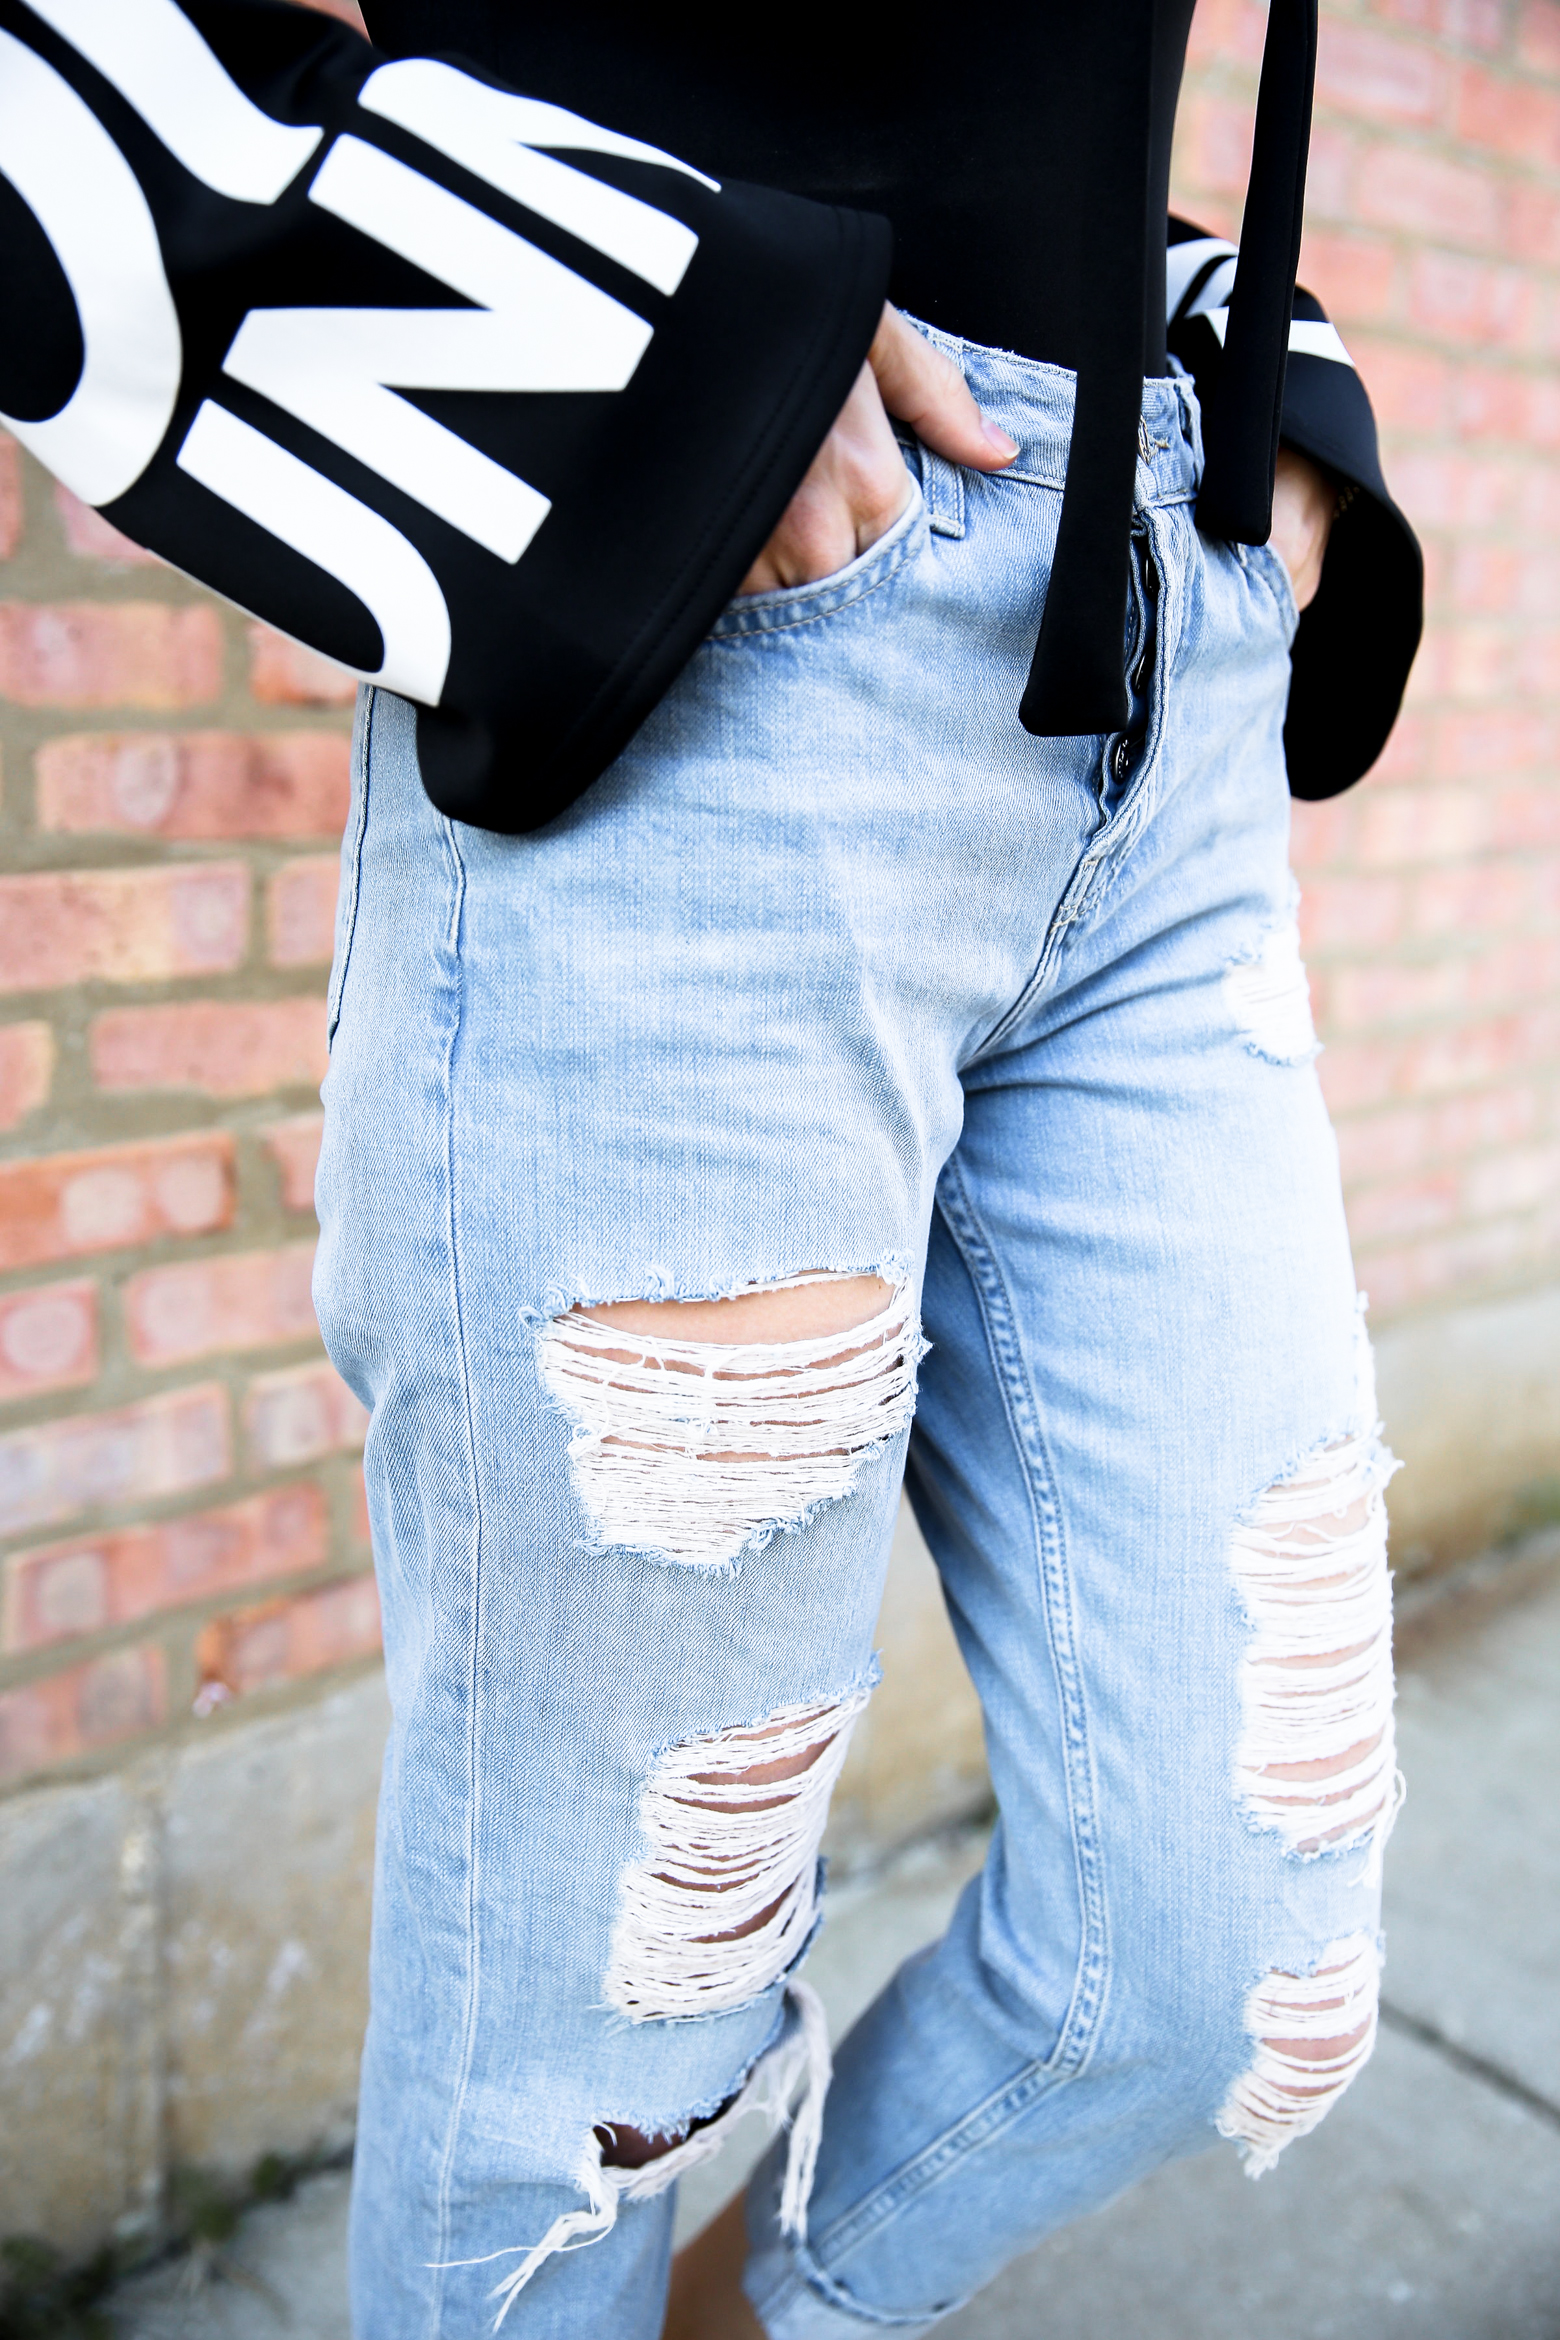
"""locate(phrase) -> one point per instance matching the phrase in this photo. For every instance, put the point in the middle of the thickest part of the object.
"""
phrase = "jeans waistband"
(1033, 402)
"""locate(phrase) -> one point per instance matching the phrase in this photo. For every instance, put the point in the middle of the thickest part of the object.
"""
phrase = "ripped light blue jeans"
(838, 972)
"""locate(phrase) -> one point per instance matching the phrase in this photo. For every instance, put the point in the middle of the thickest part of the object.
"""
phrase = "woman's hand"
(1304, 501)
(857, 485)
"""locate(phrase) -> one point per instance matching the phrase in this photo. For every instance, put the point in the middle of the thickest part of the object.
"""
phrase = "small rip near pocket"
(1269, 999)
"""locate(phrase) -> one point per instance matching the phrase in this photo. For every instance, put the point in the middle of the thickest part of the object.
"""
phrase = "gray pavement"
(1427, 2207)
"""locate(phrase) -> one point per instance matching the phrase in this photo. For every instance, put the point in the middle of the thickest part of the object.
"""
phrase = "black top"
(494, 394)
(988, 140)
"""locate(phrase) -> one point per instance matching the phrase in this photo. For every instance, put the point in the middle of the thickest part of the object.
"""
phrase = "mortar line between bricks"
(1475, 2067)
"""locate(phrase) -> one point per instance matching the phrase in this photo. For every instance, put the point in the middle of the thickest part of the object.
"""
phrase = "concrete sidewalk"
(1426, 2208)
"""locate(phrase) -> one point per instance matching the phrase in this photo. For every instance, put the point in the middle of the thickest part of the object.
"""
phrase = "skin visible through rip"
(1328, 1529)
(796, 1313)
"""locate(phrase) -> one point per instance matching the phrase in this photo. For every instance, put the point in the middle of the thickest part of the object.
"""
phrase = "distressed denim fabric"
(839, 971)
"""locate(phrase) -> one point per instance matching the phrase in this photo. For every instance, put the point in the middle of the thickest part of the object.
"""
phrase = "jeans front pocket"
(800, 605)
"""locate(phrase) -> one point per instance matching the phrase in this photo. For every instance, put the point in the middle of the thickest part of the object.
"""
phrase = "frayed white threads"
(800, 2060)
(1270, 999)
(1317, 1755)
(726, 1894)
(1283, 2095)
(694, 1449)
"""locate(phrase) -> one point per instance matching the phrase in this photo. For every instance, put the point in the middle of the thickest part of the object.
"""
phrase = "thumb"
(922, 387)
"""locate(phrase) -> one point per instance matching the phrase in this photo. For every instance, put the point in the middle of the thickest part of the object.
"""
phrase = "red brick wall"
(1432, 893)
(181, 1518)
(179, 1501)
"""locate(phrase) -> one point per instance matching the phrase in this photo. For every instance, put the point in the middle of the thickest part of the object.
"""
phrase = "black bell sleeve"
(487, 402)
(1358, 637)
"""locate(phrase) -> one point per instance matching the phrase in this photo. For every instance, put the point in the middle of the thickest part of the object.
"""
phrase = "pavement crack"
(1476, 2067)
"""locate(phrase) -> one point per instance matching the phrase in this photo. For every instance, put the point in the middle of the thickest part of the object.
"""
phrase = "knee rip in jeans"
(721, 1905)
(1313, 2033)
(725, 1897)
(1316, 1762)
(1269, 997)
(693, 1450)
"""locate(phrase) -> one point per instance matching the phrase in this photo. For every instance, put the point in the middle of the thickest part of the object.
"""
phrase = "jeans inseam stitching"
(473, 1771)
(360, 827)
(1080, 2025)
(1023, 1415)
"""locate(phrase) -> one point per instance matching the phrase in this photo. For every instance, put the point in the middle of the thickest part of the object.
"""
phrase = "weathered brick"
(301, 1415)
(1351, 275)
(1213, 143)
(202, 1307)
(10, 495)
(1462, 299)
(164, 1446)
(121, 654)
(1329, 178)
(1424, 194)
(1417, 1273)
(48, 1339)
(196, 783)
(1398, 827)
(26, 1069)
(1226, 31)
(1525, 815)
(1380, 78)
(237, 1049)
(1512, 1180)
(93, 1583)
(75, 1713)
(1533, 225)
(1400, 1138)
(282, 673)
(1538, 37)
(87, 533)
(300, 911)
(1489, 742)
(1322, 833)
(122, 925)
(1486, 578)
(1396, 1209)
(1410, 387)
(255, 1649)
(1513, 117)
(1453, 487)
(1364, 997)
(64, 1206)
(1468, 24)
(1492, 402)
(1350, 913)
(294, 1146)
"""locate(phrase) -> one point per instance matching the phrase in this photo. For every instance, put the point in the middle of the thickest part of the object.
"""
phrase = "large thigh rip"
(694, 1451)
(1316, 1761)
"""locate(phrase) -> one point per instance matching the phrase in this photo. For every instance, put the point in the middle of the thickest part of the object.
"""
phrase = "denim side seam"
(362, 740)
(474, 1771)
